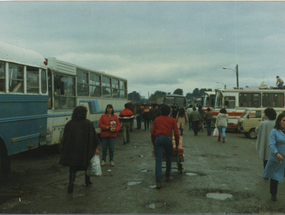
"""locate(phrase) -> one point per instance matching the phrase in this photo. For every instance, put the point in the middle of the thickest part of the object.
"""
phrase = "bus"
(71, 85)
(38, 95)
(175, 100)
(23, 101)
(209, 100)
(236, 101)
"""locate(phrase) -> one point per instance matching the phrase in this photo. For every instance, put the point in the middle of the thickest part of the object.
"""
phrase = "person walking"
(263, 131)
(110, 125)
(146, 117)
(181, 119)
(279, 82)
(275, 166)
(222, 123)
(154, 112)
(79, 143)
(196, 118)
(139, 117)
(201, 111)
(208, 117)
(126, 116)
(161, 136)
(189, 110)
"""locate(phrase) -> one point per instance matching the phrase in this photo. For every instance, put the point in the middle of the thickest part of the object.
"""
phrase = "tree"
(158, 95)
(134, 96)
(178, 91)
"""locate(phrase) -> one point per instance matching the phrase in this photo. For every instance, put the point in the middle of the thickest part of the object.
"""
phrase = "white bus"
(236, 101)
(209, 100)
(70, 85)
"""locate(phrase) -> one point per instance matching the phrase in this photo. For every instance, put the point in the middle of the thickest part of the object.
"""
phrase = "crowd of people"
(80, 139)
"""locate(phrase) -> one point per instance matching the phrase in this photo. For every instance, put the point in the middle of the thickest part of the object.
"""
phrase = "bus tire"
(252, 134)
(4, 159)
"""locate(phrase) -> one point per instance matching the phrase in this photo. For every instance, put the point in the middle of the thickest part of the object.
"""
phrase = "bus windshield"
(174, 100)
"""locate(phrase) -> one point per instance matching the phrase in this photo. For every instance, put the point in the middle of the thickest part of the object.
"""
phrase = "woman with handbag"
(222, 123)
(110, 125)
(79, 143)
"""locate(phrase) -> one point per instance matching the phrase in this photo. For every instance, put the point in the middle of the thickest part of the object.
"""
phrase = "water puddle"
(191, 174)
(219, 196)
(153, 186)
(156, 205)
(133, 183)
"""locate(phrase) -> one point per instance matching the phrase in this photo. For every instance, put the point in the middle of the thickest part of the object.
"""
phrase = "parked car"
(250, 119)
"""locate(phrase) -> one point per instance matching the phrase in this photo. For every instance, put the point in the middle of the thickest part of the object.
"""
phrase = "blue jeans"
(222, 131)
(108, 142)
(280, 85)
(162, 141)
(208, 123)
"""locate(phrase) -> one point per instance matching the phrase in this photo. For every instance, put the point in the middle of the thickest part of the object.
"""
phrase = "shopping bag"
(216, 132)
(94, 168)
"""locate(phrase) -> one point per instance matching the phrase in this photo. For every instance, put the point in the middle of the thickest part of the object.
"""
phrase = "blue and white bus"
(38, 95)
(23, 101)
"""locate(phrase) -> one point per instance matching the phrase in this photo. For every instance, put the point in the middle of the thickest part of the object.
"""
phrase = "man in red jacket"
(161, 136)
(126, 116)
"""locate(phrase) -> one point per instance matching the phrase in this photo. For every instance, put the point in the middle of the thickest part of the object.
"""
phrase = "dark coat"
(79, 143)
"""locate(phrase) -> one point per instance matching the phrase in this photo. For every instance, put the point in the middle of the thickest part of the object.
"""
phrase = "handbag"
(94, 167)
(216, 132)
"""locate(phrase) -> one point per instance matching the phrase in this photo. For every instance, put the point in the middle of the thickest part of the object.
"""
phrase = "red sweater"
(104, 121)
(164, 125)
(126, 115)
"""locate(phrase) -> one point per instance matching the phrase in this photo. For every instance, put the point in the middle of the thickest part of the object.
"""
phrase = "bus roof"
(19, 55)
(252, 90)
(70, 69)
(174, 95)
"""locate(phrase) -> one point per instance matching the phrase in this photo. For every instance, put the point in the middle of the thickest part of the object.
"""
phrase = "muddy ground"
(217, 178)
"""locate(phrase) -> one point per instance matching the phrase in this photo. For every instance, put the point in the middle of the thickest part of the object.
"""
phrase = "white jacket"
(222, 120)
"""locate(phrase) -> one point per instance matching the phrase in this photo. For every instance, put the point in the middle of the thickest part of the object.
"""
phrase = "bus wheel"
(5, 161)
(252, 134)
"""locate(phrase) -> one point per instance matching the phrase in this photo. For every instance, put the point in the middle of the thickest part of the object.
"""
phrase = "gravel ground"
(217, 178)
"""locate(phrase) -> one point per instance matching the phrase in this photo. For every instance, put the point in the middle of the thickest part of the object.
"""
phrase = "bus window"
(64, 97)
(115, 88)
(219, 99)
(82, 83)
(123, 89)
(180, 101)
(230, 102)
(2, 76)
(43, 81)
(106, 83)
(49, 89)
(249, 100)
(273, 100)
(16, 74)
(32, 80)
(95, 85)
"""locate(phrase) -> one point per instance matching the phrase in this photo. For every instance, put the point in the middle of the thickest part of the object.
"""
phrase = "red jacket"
(164, 125)
(126, 115)
(104, 121)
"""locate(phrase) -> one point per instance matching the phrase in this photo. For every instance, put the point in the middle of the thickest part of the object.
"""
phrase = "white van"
(251, 118)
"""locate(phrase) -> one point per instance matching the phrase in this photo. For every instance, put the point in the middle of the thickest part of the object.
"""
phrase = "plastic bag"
(216, 132)
(94, 168)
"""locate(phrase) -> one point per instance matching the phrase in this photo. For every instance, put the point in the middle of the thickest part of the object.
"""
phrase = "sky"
(156, 45)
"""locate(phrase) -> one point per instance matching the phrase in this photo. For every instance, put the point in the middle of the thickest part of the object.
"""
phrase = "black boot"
(71, 181)
(87, 180)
